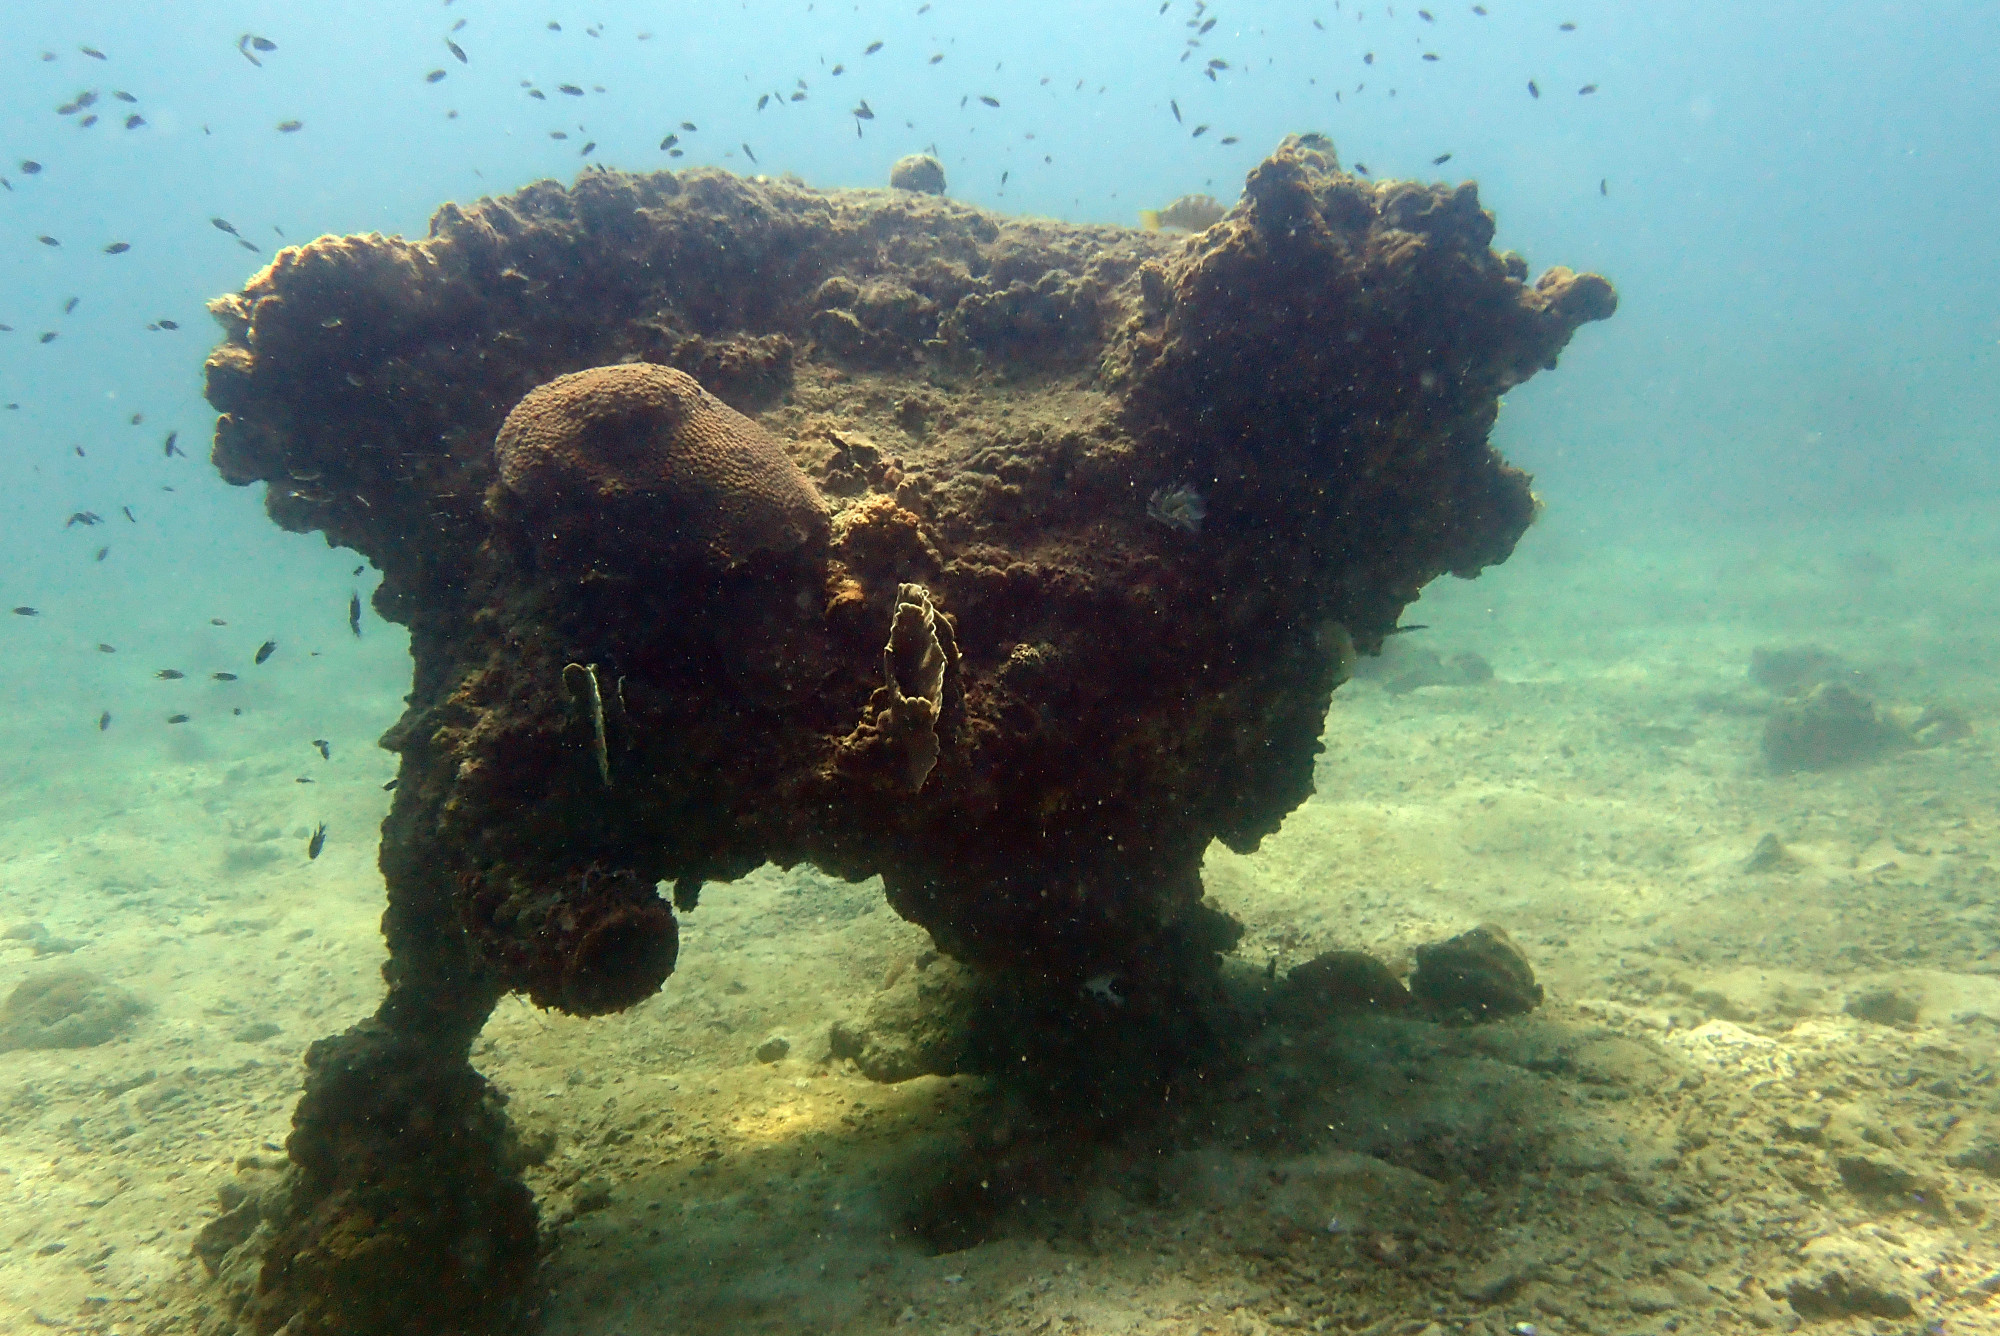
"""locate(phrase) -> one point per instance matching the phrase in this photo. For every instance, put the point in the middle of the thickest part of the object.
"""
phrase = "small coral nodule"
(1178, 507)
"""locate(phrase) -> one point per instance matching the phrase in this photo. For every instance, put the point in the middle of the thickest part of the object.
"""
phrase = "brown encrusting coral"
(1105, 512)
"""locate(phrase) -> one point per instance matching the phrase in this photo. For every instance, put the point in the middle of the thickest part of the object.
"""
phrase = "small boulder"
(1342, 981)
(919, 172)
(1849, 1275)
(1830, 726)
(1476, 976)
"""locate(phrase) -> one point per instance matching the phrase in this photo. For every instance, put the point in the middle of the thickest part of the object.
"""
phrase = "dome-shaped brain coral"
(639, 460)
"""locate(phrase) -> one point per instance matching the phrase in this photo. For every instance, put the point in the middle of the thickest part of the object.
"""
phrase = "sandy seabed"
(1759, 1094)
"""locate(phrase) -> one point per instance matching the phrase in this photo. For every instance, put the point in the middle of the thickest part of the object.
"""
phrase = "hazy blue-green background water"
(1796, 202)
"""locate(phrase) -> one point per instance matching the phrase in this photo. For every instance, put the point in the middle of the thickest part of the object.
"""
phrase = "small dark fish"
(554, 26)
(838, 69)
(87, 121)
(1565, 27)
(249, 245)
(456, 50)
(317, 842)
(670, 141)
(937, 58)
(134, 121)
(1586, 90)
(223, 677)
(122, 95)
(587, 149)
(48, 336)
(85, 517)
(863, 112)
(559, 134)
(538, 95)
(170, 324)
(1227, 139)
(25, 611)
(748, 154)
(1479, 10)
(264, 44)
(1441, 159)
(172, 448)
(1603, 185)
(1004, 176)
(177, 718)
(571, 89)
(93, 53)
(102, 553)
(48, 240)
(354, 613)
(104, 721)
(129, 515)
(1361, 168)
(359, 569)
(325, 749)
(763, 101)
(1203, 29)
(170, 674)
(390, 785)
(689, 126)
(265, 651)
(103, 648)
(1430, 55)
(1218, 64)
(118, 248)
(873, 47)
(223, 225)
(1405, 630)
(70, 305)
(290, 127)
(1175, 107)
(29, 167)
(1199, 131)
(434, 76)
(989, 101)
(1534, 90)
(1425, 15)
(217, 621)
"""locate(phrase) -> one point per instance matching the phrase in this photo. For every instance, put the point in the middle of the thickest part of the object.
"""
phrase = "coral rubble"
(965, 428)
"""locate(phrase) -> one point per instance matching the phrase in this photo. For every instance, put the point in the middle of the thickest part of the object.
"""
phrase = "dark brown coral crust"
(992, 405)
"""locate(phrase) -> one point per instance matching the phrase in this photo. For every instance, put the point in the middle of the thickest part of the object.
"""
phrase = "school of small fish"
(886, 83)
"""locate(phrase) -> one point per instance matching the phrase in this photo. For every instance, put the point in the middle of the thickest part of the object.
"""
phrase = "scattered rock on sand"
(1476, 976)
(1850, 1275)
(1831, 726)
(1883, 1006)
(1770, 855)
(1337, 981)
(1796, 670)
(69, 1008)
(919, 1025)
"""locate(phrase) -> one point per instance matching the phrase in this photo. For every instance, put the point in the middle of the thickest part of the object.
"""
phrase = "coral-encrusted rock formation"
(1118, 504)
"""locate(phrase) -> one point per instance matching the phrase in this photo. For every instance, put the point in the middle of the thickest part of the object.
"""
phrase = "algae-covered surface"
(1693, 1129)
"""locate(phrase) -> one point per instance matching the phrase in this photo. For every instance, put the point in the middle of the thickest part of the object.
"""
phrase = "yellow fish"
(1189, 213)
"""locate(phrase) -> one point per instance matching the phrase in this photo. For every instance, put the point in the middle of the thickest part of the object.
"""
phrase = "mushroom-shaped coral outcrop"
(638, 462)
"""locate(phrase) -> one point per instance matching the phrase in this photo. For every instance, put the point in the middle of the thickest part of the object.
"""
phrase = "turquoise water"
(1783, 439)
